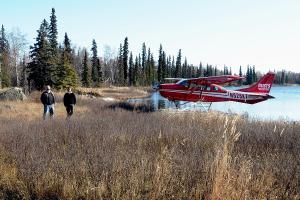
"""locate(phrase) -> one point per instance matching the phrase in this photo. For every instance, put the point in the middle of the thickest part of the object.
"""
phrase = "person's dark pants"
(69, 109)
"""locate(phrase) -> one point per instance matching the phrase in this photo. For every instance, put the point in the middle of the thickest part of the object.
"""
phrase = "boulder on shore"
(12, 94)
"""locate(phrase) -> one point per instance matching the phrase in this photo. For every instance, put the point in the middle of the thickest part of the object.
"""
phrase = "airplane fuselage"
(211, 93)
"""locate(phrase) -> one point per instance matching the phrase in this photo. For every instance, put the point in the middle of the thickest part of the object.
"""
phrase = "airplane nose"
(159, 87)
(270, 97)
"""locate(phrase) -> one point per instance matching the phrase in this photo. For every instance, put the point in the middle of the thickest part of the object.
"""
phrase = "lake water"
(286, 104)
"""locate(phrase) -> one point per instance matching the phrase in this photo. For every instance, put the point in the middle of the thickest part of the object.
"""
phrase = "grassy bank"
(118, 93)
(104, 153)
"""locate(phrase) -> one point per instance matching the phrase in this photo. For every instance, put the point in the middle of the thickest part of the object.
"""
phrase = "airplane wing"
(173, 79)
(214, 79)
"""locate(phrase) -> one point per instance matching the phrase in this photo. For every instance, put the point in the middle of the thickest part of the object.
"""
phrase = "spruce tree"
(198, 72)
(65, 72)
(131, 70)
(139, 75)
(40, 69)
(282, 77)
(52, 39)
(144, 59)
(67, 49)
(254, 76)
(4, 59)
(173, 67)
(152, 68)
(200, 69)
(99, 71)
(287, 78)
(120, 78)
(148, 68)
(189, 71)
(184, 72)
(60, 72)
(159, 67)
(251, 74)
(207, 70)
(195, 71)
(135, 72)
(94, 60)
(4, 45)
(85, 72)
(53, 33)
(71, 76)
(125, 61)
(248, 76)
(169, 66)
(163, 67)
(240, 74)
(225, 72)
(178, 65)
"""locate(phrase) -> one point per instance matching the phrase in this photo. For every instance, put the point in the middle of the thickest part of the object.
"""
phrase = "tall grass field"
(107, 152)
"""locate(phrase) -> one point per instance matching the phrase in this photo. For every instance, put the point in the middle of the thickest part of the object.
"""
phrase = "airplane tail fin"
(263, 85)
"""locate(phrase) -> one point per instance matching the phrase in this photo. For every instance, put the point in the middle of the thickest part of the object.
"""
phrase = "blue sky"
(264, 33)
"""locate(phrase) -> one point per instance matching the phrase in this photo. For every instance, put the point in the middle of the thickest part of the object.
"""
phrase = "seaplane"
(208, 90)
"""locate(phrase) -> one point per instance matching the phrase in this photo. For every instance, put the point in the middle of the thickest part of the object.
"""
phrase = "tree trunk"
(17, 75)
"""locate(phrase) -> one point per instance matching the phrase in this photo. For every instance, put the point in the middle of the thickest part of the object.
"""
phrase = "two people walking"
(48, 100)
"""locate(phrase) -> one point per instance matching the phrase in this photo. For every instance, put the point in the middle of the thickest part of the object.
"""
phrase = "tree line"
(63, 65)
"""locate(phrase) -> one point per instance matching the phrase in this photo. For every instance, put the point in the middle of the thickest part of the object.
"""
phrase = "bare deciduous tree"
(110, 65)
(18, 43)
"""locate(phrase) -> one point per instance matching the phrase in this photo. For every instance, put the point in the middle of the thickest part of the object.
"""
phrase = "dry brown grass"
(104, 153)
(32, 109)
(119, 93)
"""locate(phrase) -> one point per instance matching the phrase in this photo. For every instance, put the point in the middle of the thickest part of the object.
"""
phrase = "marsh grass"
(119, 93)
(105, 153)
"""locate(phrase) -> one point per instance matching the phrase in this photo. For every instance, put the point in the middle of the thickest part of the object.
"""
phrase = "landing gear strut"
(206, 107)
(203, 106)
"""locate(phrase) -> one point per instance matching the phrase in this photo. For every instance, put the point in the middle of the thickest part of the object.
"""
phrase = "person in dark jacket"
(48, 100)
(69, 102)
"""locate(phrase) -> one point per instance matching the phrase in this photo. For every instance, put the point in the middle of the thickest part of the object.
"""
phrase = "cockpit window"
(219, 88)
(183, 83)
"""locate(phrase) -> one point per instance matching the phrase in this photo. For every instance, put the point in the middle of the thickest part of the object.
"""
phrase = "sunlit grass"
(104, 153)
(119, 93)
